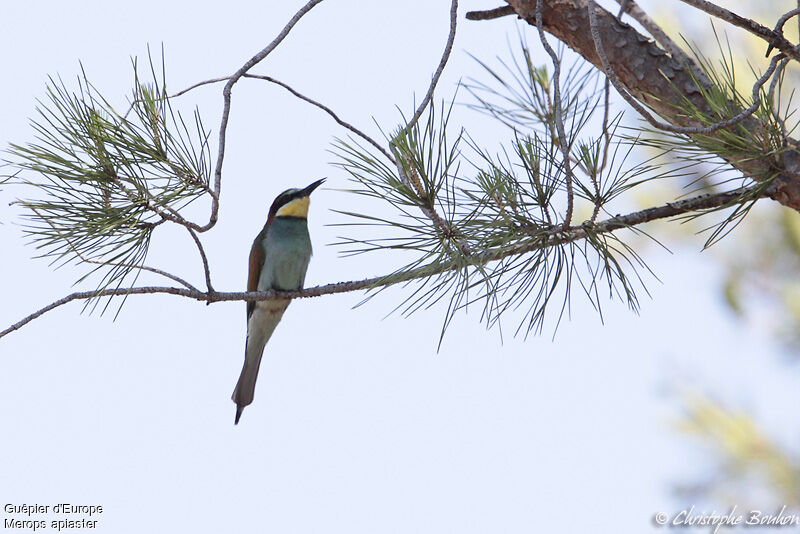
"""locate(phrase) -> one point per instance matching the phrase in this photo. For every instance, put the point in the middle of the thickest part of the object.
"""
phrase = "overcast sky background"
(358, 424)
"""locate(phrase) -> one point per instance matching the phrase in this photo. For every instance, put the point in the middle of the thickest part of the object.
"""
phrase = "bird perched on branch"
(278, 260)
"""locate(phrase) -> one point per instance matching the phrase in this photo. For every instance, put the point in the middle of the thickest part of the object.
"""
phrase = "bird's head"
(293, 202)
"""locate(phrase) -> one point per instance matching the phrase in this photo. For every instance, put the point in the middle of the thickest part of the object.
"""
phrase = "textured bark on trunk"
(656, 79)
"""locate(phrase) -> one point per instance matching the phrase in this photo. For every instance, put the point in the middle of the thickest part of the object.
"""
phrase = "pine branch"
(719, 125)
(105, 182)
(409, 177)
(665, 86)
(557, 236)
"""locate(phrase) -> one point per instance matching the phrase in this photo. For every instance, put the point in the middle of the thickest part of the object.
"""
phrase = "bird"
(279, 259)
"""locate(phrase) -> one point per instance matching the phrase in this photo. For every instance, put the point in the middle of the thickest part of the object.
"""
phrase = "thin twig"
(606, 145)
(441, 224)
(779, 25)
(776, 108)
(299, 95)
(562, 136)
(112, 264)
(609, 71)
(179, 93)
(165, 274)
(226, 110)
(624, 6)
(496, 13)
(202, 252)
(83, 295)
(166, 213)
(327, 110)
(557, 236)
(442, 62)
(775, 39)
(199, 84)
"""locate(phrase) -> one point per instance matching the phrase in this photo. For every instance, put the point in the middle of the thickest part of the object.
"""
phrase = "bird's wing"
(254, 271)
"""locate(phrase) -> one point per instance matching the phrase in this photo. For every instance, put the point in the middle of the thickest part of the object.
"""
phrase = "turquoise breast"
(288, 251)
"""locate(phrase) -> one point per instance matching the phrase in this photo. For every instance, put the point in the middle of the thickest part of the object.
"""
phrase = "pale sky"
(358, 424)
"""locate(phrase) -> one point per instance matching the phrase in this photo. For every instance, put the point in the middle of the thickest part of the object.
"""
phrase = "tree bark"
(654, 78)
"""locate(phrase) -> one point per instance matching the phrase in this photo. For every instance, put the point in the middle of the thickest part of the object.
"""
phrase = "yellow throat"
(296, 208)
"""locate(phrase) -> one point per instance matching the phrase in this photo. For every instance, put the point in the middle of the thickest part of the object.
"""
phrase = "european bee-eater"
(278, 260)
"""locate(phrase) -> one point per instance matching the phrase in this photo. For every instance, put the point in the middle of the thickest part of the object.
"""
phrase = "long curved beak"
(307, 191)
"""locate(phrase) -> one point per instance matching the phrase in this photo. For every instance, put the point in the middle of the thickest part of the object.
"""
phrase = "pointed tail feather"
(260, 326)
(246, 386)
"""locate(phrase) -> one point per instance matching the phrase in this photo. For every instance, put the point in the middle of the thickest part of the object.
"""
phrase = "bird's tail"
(260, 327)
(246, 386)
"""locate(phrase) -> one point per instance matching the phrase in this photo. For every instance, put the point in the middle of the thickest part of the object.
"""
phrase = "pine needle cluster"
(504, 241)
(100, 182)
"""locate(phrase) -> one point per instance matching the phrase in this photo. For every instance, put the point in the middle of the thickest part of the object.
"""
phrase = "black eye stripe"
(292, 194)
(286, 197)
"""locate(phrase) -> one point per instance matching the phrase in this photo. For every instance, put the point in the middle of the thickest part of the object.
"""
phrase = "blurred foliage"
(750, 468)
(761, 260)
(760, 284)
